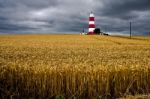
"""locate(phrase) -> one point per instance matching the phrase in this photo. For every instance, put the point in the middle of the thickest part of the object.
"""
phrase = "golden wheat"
(73, 66)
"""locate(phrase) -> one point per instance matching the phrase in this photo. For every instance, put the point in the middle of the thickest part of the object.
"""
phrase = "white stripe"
(91, 15)
(91, 22)
(91, 29)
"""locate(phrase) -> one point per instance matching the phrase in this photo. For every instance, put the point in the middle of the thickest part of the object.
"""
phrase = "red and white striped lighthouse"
(91, 24)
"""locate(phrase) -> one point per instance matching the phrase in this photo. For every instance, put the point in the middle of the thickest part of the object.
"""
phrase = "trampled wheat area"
(73, 66)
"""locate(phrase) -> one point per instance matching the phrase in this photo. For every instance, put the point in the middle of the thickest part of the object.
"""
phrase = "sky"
(71, 16)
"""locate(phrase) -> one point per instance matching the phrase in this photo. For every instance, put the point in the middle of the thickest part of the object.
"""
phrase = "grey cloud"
(118, 13)
(117, 7)
(47, 16)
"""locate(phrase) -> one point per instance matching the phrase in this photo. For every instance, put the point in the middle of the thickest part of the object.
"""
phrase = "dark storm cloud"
(116, 14)
(52, 16)
(124, 8)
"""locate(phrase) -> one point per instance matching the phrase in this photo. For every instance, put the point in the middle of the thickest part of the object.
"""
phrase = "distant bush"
(97, 31)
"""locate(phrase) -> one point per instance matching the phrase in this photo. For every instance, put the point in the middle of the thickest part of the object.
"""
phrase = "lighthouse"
(91, 24)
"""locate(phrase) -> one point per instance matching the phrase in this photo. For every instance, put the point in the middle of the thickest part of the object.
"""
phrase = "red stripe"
(91, 19)
(91, 33)
(91, 25)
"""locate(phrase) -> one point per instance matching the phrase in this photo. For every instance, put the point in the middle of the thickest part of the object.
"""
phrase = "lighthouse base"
(91, 33)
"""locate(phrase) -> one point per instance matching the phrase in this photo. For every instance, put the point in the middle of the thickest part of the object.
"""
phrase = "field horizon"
(64, 66)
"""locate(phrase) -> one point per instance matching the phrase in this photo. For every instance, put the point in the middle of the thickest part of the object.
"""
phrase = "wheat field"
(73, 66)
